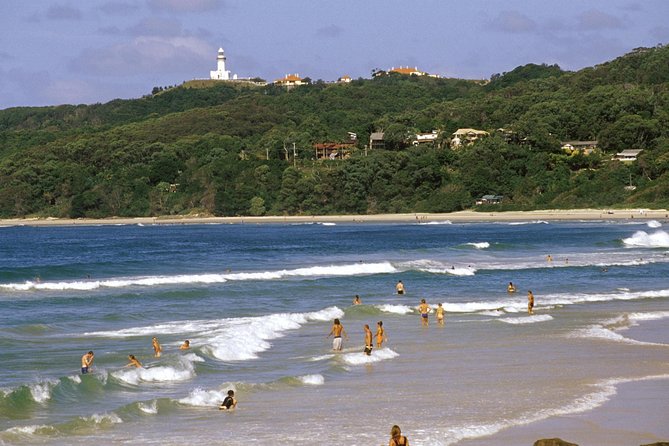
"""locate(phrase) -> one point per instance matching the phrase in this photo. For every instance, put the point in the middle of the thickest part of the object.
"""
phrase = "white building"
(221, 73)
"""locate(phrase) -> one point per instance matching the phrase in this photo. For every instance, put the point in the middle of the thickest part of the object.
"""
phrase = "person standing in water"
(157, 349)
(440, 314)
(380, 334)
(368, 341)
(337, 331)
(396, 437)
(399, 287)
(511, 288)
(87, 362)
(530, 302)
(424, 309)
(356, 300)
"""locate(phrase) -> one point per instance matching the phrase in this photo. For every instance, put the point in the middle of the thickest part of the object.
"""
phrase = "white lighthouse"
(221, 73)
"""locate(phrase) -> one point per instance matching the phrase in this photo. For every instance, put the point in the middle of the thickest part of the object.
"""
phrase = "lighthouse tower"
(221, 73)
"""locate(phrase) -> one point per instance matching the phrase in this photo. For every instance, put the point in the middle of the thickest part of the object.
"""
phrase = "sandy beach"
(455, 217)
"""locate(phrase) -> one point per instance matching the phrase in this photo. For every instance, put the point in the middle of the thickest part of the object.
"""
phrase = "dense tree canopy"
(226, 148)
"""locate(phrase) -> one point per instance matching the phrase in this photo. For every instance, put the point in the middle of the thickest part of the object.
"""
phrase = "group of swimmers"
(511, 288)
(337, 331)
(88, 358)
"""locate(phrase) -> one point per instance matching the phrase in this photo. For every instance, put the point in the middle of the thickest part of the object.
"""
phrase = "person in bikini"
(157, 349)
(380, 334)
(440, 314)
(356, 300)
(337, 331)
(87, 362)
(134, 362)
(424, 310)
(396, 437)
(530, 302)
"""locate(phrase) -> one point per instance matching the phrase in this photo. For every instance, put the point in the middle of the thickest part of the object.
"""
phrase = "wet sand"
(454, 217)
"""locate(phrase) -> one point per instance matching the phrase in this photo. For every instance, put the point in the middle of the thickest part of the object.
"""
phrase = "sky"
(88, 51)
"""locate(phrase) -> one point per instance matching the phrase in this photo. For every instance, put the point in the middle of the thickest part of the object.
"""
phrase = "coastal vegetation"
(240, 149)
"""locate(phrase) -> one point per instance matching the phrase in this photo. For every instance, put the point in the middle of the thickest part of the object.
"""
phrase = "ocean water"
(257, 301)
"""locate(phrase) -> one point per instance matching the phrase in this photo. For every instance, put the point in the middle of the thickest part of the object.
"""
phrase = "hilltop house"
(333, 150)
(467, 137)
(425, 138)
(345, 79)
(376, 141)
(289, 80)
(584, 147)
(628, 155)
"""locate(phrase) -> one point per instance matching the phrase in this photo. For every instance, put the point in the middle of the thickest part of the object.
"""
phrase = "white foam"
(396, 309)
(149, 408)
(479, 245)
(521, 223)
(321, 358)
(158, 374)
(206, 398)
(41, 392)
(312, 380)
(443, 222)
(658, 239)
(75, 379)
(106, 418)
(654, 224)
(527, 320)
(436, 267)
(359, 358)
(326, 223)
(353, 269)
(29, 430)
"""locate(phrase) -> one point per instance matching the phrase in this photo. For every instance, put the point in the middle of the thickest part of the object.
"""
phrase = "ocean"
(257, 303)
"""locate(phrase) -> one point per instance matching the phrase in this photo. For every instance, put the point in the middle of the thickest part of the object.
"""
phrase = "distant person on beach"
(399, 287)
(356, 300)
(229, 402)
(440, 313)
(549, 258)
(368, 341)
(87, 362)
(337, 331)
(530, 302)
(511, 288)
(380, 334)
(185, 345)
(134, 362)
(157, 349)
(424, 309)
(396, 437)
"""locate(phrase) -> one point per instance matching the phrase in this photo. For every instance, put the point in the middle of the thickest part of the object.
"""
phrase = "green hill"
(222, 148)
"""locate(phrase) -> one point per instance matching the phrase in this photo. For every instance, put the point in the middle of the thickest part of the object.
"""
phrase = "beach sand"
(454, 217)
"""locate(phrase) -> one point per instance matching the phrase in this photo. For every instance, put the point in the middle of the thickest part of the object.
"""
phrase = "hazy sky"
(86, 51)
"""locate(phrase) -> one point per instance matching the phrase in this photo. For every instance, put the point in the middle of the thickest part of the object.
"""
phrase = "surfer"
(511, 288)
(356, 300)
(424, 309)
(157, 349)
(337, 331)
(530, 302)
(399, 287)
(229, 402)
(396, 437)
(87, 362)
(134, 362)
(380, 334)
(440, 314)
(368, 341)
(185, 345)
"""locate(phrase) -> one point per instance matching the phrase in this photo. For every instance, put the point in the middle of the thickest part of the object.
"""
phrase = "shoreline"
(417, 217)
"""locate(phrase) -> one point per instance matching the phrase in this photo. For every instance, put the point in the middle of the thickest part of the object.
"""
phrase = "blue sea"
(257, 303)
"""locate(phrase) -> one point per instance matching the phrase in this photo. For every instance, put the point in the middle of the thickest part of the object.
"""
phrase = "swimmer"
(356, 300)
(396, 437)
(380, 334)
(134, 362)
(368, 341)
(424, 309)
(399, 287)
(440, 314)
(530, 302)
(549, 258)
(185, 345)
(157, 349)
(337, 331)
(511, 288)
(229, 402)
(87, 362)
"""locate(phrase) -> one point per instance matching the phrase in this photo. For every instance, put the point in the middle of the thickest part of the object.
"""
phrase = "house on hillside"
(584, 147)
(345, 79)
(465, 137)
(425, 138)
(628, 155)
(289, 80)
(489, 199)
(333, 150)
(407, 71)
(376, 141)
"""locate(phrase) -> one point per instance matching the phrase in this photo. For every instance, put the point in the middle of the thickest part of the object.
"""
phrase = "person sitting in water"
(134, 362)
(229, 402)
(511, 288)
(185, 345)
(396, 437)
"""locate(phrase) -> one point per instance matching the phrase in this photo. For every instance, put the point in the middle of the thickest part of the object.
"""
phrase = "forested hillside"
(228, 149)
